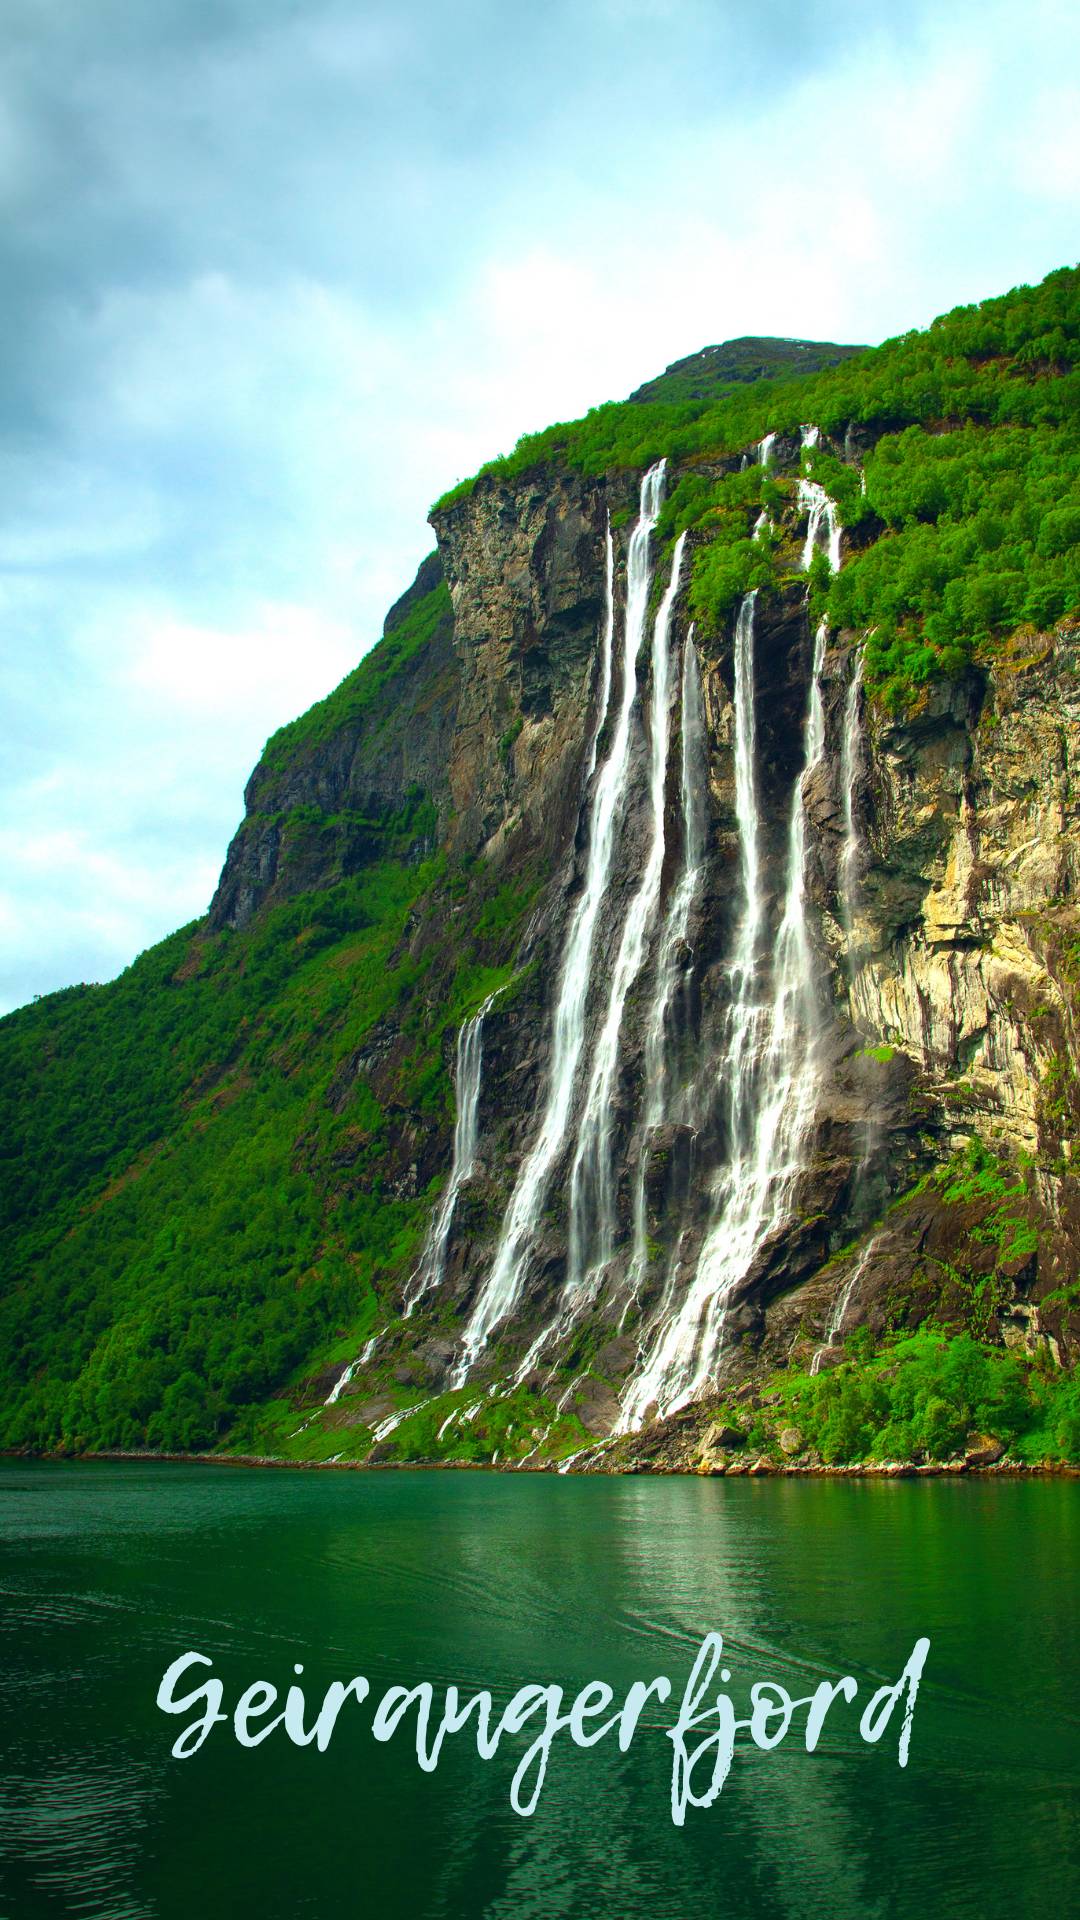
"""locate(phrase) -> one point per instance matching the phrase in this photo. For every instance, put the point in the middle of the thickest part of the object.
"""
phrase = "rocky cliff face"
(940, 879)
(525, 568)
(966, 962)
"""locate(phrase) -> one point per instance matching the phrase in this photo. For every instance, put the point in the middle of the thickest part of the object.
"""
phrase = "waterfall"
(592, 1179)
(851, 867)
(673, 938)
(820, 510)
(843, 1302)
(604, 693)
(467, 1068)
(765, 448)
(693, 777)
(503, 1286)
(851, 771)
(673, 1351)
(769, 1064)
(343, 1379)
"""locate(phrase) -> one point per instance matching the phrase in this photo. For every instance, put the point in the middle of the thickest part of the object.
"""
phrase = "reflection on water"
(109, 1572)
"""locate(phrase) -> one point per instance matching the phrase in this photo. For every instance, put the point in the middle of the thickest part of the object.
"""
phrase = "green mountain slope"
(705, 375)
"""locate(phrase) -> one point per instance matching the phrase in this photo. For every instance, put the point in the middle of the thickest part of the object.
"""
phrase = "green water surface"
(110, 1571)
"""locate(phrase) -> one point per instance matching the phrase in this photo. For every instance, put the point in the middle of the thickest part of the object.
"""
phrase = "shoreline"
(757, 1469)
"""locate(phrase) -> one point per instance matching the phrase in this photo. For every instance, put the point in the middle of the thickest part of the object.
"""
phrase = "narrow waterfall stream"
(843, 1302)
(467, 1072)
(343, 1379)
(850, 869)
(502, 1289)
(851, 772)
(661, 1084)
(592, 1178)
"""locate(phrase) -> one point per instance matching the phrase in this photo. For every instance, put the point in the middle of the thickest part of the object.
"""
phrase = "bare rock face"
(961, 964)
(971, 894)
(983, 1451)
(525, 565)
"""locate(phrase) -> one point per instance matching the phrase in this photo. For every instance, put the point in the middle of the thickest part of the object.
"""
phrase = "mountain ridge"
(700, 375)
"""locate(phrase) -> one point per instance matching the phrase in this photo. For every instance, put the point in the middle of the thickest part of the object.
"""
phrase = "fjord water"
(111, 1571)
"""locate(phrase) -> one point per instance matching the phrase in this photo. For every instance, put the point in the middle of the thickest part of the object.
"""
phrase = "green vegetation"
(921, 1395)
(714, 370)
(193, 1204)
(1007, 361)
(506, 1426)
(172, 1254)
(362, 689)
(978, 1175)
(982, 534)
(972, 481)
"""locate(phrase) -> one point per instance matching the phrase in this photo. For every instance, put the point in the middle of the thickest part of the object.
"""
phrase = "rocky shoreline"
(759, 1468)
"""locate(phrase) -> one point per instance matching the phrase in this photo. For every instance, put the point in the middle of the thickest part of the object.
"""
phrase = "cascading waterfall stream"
(769, 1067)
(849, 876)
(821, 512)
(502, 1289)
(844, 1300)
(673, 937)
(592, 1179)
(467, 1074)
(693, 777)
(343, 1379)
(851, 771)
(743, 1016)
(763, 522)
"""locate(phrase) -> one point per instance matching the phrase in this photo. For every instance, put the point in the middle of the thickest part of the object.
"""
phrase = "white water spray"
(851, 771)
(343, 1379)
(769, 1069)
(467, 1073)
(820, 510)
(673, 939)
(592, 1179)
(843, 1302)
(502, 1289)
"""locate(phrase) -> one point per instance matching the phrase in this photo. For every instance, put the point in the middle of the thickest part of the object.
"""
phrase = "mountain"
(707, 374)
(637, 1019)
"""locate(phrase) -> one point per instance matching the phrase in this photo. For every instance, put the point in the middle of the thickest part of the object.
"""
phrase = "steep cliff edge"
(365, 767)
(651, 976)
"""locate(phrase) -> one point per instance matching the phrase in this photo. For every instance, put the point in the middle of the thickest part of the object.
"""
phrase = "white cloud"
(267, 670)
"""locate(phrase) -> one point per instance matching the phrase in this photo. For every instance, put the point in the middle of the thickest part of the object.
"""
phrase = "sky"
(277, 274)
